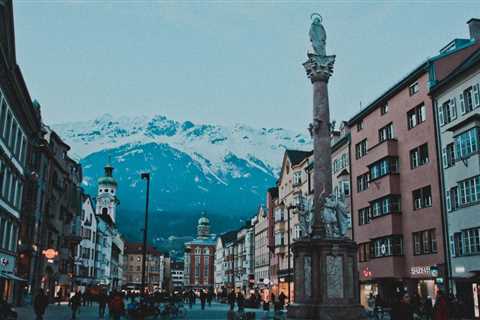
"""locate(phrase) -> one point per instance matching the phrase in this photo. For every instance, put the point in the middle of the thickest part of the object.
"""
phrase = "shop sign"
(367, 273)
(7, 263)
(266, 282)
(427, 271)
(50, 254)
(439, 280)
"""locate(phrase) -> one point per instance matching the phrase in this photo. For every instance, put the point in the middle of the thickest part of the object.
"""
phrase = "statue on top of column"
(318, 36)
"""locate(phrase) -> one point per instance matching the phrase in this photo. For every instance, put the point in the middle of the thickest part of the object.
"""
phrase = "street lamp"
(145, 176)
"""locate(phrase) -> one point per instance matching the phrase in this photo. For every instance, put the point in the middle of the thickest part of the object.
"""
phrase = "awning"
(11, 276)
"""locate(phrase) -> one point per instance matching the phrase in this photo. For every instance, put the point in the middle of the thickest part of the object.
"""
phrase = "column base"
(325, 312)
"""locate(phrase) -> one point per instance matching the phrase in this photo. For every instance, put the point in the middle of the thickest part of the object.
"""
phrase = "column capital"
(319, 68)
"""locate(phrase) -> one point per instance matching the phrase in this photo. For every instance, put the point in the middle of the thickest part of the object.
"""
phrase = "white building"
(457, 102)
(262, 253)
(85, 252)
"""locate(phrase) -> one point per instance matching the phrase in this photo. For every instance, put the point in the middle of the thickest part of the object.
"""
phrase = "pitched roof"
(137, 248)
(229, 236)
(297, 156)
(468, 63)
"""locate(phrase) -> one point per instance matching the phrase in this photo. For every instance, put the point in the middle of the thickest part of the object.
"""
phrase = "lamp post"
(290, 207)
(145, 176)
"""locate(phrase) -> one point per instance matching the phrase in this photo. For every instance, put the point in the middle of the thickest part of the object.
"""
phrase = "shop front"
(426, 281)
(285, 281)
(9, 282)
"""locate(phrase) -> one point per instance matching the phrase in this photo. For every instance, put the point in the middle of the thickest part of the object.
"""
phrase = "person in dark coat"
(240, 302)
(231, 299)
(203, 298)
(40, 304)
(209, 297)
(75, 303)
(440, 312)
(281, 299)
(102, 304)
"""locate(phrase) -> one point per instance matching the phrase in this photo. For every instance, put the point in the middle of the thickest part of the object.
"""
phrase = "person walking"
(378, 307)
(428, 308)
(440, 311)
(209, 297)
(191, 298)
(203, 298)
(281, 299)
(40, 304)
(75, 303)
(116, 307)
(240, 302)
(102, 304)
(231, 299)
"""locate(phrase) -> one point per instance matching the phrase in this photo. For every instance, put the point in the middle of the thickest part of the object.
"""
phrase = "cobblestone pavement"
(62, 312)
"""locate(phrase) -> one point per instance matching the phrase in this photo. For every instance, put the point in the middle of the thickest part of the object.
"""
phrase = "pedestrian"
(40, 304)
(281, 299)
(378, 307)
(203, 298)
(440, 311)
(209, 297)
(231, 299)
(240, 302)
(191, 298)
(102, 304)
(75, 303)
(428, 308)
(116, 307)
(407, 308)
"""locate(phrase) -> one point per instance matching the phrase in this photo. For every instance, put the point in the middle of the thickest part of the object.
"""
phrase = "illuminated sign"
(50, 254)
(428, 271)
(367, 273)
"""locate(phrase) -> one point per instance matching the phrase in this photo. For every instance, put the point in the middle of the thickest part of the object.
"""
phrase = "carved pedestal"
(326, 280)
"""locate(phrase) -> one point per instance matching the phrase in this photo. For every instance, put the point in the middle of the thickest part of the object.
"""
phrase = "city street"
(63, 312)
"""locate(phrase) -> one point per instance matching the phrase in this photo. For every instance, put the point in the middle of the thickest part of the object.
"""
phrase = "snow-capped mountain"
(222, 170)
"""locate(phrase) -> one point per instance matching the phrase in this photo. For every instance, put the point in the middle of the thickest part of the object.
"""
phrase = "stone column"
(319, 69)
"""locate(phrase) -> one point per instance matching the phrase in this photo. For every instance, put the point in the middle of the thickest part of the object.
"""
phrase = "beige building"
(154, 271)
(341, 166)
(262, 253)
(294, 190)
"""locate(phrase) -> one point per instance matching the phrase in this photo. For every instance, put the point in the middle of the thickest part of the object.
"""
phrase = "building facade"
(262, 253)
(396, 200)
(223, 267)
(457, 103)
(200, 258)
(154, 267)
(177, 269)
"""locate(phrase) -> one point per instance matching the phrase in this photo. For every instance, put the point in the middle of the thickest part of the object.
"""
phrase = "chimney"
(474, 28)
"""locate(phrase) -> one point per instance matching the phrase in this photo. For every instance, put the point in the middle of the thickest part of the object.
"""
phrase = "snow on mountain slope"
(209, 145)
(195, 167)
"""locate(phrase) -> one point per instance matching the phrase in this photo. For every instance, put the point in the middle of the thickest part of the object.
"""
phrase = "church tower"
(107, 200)
(203, 227)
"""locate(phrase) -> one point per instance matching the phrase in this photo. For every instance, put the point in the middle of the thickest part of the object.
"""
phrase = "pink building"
(396, 202)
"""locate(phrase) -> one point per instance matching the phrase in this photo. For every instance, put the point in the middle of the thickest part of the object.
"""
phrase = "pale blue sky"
(221, 61)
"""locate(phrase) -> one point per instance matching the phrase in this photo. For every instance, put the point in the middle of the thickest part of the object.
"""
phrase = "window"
(414, 88)
(385, 133)
(384, 109)
(387, 246)
(469, 191)
(385, 205)
(424, 242)
(467, 242)
(361, 149)
(279, 214)
(364, 216)
(419, 156)
(383, 167)
(416, 116)
(466, 143)
(364, 251)
(360, 125)
(362, 182)
(297, 178)
(422, 198)
(466, 102)
(448, 155)
(447, 112)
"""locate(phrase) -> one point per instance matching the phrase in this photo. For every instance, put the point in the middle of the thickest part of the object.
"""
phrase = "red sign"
(50, 253)
(367, 273)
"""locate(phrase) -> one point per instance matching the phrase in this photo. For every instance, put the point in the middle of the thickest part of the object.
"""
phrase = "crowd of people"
(114, 301)
(405, 307)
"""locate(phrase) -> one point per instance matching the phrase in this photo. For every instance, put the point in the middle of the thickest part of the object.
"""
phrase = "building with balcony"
(396, 198)
(223, 261)
(457, 103)
(294, 191)
(262, 253)
(85, 251)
